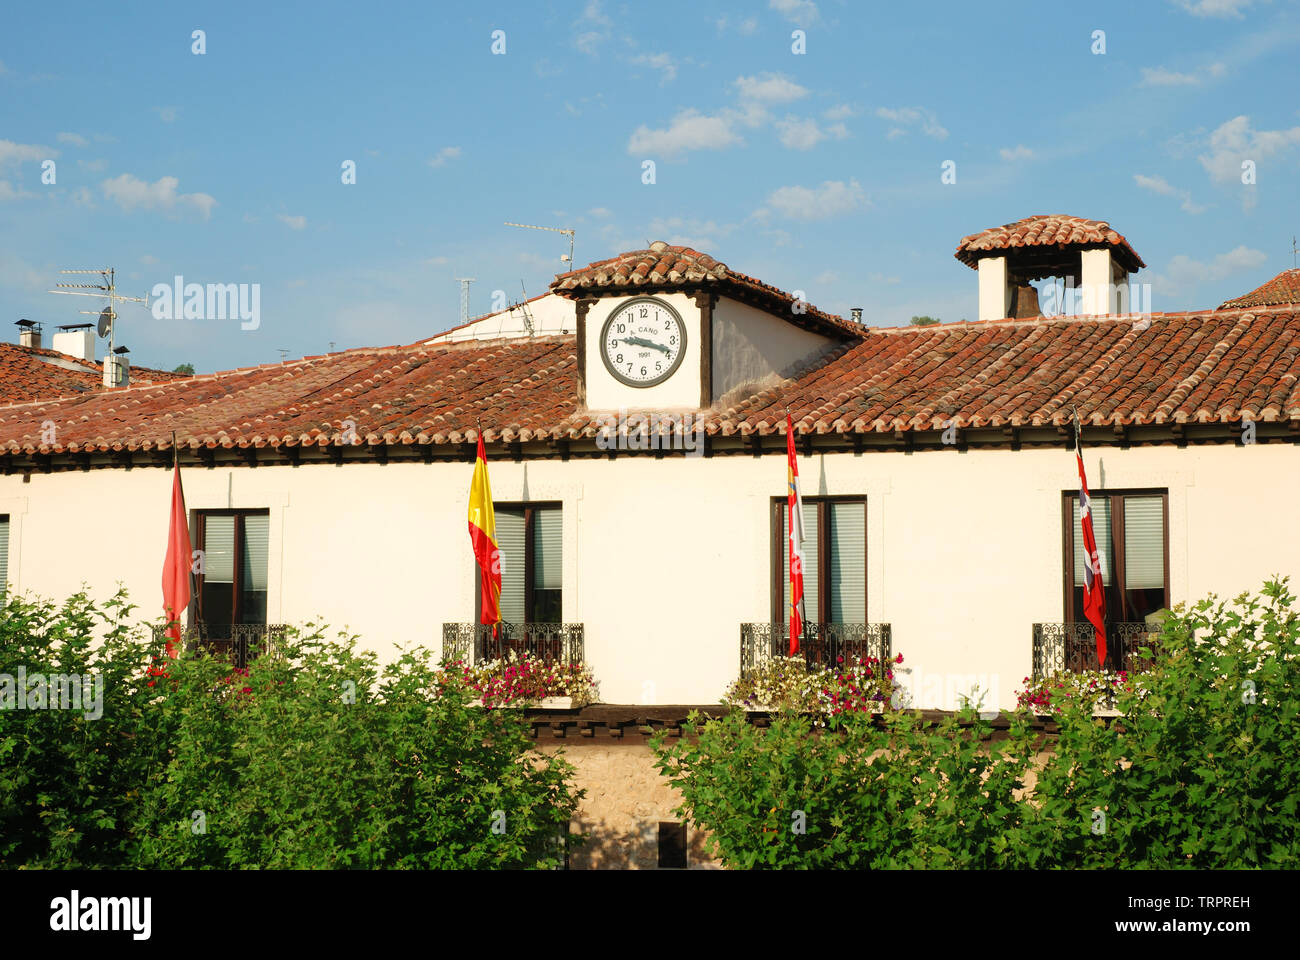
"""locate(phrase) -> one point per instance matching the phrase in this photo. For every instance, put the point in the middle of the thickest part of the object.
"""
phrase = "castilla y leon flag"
(794, 524)
(483, 536)
(176, 566)
(1094, 596)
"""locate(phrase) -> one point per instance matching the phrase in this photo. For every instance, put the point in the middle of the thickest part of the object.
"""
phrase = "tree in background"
(924, 321)
(185, 368)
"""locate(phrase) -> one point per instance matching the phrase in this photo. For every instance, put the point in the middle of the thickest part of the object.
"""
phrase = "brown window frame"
(528, 507)
(1068, 498)
(198, 524)
(778, 510)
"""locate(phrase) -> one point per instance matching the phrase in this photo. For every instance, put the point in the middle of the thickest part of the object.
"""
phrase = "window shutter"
(1100, 529)
(257, 529)
(4, 553)
(848, 541)
(548, 539)
(1144, 543)
(510, 541)
(219, 549)
(810, 563)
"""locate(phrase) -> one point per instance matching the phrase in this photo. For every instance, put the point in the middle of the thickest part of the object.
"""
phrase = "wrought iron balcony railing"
(1072, 647)
(240, 643)
(822, 644)
(475, 642)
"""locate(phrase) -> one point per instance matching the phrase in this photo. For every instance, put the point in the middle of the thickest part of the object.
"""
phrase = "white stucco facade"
(964, 548)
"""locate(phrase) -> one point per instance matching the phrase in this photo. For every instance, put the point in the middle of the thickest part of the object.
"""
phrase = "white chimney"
(29, 333)
(995, 291)
(117, 371)
(77, 340)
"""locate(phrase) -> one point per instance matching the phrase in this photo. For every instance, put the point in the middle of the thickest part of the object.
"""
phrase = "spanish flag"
(483, 536)
(176, 564)
(794, 524)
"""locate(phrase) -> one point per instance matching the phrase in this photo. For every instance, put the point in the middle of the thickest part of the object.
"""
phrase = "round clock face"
(643, 342)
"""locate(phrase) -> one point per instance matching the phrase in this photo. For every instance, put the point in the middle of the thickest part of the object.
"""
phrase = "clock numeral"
(619, 358)
(622, 328)
(645, 312)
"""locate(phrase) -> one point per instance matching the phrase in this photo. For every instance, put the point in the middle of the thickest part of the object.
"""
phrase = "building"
(635, 428)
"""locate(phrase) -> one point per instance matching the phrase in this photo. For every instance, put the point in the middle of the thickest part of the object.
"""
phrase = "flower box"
(546, 703)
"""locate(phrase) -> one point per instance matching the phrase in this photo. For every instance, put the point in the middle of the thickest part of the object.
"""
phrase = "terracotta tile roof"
(1282, 289)
(30, 373)
(1211, 367)
(1044, 230)
(663, 267)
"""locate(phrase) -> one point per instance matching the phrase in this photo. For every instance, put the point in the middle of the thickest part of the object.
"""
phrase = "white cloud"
(1160, 77)
(1236, 141)
(685, 232)
(1019, 152)
(768, 88)
(167, 114)
(1161, 186)
(9, 192)
(805, 134)
(800, 12)
(131, 193)
(596, 28)
(818, 203)
(1183, 274)
(1222, 9)
(906, 117)
(437, 261)
(840, 112)
(293, 223)
(443, 155)
(98, 165)
(662, 62)
(82, 197)
(148, 260)
(74, 139)
(11, 152)
(689, 130)
(600, 213)
(826, 278)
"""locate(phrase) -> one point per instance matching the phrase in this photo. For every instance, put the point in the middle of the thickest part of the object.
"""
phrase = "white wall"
(681, 391)
(549, 313)
(750, 344)
(663, 559)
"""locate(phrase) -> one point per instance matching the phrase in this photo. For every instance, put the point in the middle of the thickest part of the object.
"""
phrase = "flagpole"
(1078, 434)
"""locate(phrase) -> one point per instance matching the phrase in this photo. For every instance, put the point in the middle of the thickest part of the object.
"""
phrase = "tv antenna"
(569, 233)
(523, 306)
(106, 326)
(464, 297)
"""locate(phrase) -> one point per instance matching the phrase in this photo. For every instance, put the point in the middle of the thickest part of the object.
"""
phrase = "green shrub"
(1201, 770)
(315, 757)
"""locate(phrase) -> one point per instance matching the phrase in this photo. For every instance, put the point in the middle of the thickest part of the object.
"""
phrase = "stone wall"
(626, 800)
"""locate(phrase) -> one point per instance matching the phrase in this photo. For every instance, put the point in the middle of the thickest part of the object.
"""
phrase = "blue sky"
(818, 171)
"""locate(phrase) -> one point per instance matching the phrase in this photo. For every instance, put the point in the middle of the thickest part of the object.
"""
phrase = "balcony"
(240, 643)
(822, 644)
(474, 642)
(1072, 647)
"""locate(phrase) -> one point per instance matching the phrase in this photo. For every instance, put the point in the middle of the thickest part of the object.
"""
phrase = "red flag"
(483, 537)
(1094, 595)
(794, 524)
(176, 568)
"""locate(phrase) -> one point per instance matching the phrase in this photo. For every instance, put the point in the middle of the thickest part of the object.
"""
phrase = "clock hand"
(640, 342)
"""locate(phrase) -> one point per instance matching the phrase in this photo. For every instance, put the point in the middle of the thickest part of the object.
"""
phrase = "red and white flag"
(794, 524)
(1094, 594)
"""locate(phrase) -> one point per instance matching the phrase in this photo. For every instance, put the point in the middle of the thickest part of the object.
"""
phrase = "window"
(835, 560)
(530, 538)
(1132, 531)
(232, 587)
(4, 552)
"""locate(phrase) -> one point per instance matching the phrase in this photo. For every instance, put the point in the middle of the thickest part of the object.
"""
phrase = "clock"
(643, 342)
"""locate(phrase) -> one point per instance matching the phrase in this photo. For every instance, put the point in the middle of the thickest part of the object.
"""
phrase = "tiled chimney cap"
(1047, 230)
(1282, 289)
